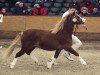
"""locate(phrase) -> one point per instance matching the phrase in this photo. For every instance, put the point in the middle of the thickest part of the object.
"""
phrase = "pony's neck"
(67, 27)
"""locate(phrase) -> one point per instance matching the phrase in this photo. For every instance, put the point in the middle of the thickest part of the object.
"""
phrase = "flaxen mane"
(59, 25)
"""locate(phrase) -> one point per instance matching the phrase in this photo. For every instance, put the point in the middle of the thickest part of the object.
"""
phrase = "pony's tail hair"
(9, 51)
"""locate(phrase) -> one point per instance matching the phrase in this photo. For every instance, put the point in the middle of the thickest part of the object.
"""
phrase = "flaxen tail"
(9, 51)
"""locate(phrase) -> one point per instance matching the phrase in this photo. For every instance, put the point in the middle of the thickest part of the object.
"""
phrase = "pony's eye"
(74, 19)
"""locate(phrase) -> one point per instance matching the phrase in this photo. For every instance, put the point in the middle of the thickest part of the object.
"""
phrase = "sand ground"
(26, 66)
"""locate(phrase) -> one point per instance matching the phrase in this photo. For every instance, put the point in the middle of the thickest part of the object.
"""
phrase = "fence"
(13, 24)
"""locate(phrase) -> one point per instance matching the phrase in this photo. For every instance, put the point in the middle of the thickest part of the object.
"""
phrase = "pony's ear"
(1, 18)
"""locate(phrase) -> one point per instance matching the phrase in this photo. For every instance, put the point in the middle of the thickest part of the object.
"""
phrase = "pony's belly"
(47, 47)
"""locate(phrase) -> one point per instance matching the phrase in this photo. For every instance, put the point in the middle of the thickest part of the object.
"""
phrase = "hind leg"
(32, 55)
(71, 50)
(20, 53)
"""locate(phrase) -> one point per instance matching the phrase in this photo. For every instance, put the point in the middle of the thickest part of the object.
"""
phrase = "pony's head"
(78, 19)
(72, 19)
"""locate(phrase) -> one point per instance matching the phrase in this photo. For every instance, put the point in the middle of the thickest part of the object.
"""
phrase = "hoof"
(49, 65)
(55, 63)
(37, 63)
(84, 63)
(11, 66)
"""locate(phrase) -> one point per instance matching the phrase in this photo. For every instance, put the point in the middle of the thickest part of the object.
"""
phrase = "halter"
(76, 26)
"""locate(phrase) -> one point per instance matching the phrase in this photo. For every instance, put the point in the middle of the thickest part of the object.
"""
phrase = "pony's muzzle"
(84, 20)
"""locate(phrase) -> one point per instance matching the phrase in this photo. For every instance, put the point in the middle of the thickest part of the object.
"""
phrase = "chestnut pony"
(56, 40)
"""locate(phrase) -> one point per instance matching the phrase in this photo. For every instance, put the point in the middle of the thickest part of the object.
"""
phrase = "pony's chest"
(63, 39)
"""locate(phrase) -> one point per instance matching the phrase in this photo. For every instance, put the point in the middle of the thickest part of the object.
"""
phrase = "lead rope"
(75, 28)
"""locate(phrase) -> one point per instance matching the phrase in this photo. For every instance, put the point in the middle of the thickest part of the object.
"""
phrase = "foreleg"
(53, 59)
(72, 51)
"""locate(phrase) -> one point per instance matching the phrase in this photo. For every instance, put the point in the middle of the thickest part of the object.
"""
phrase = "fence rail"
(13, 24)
